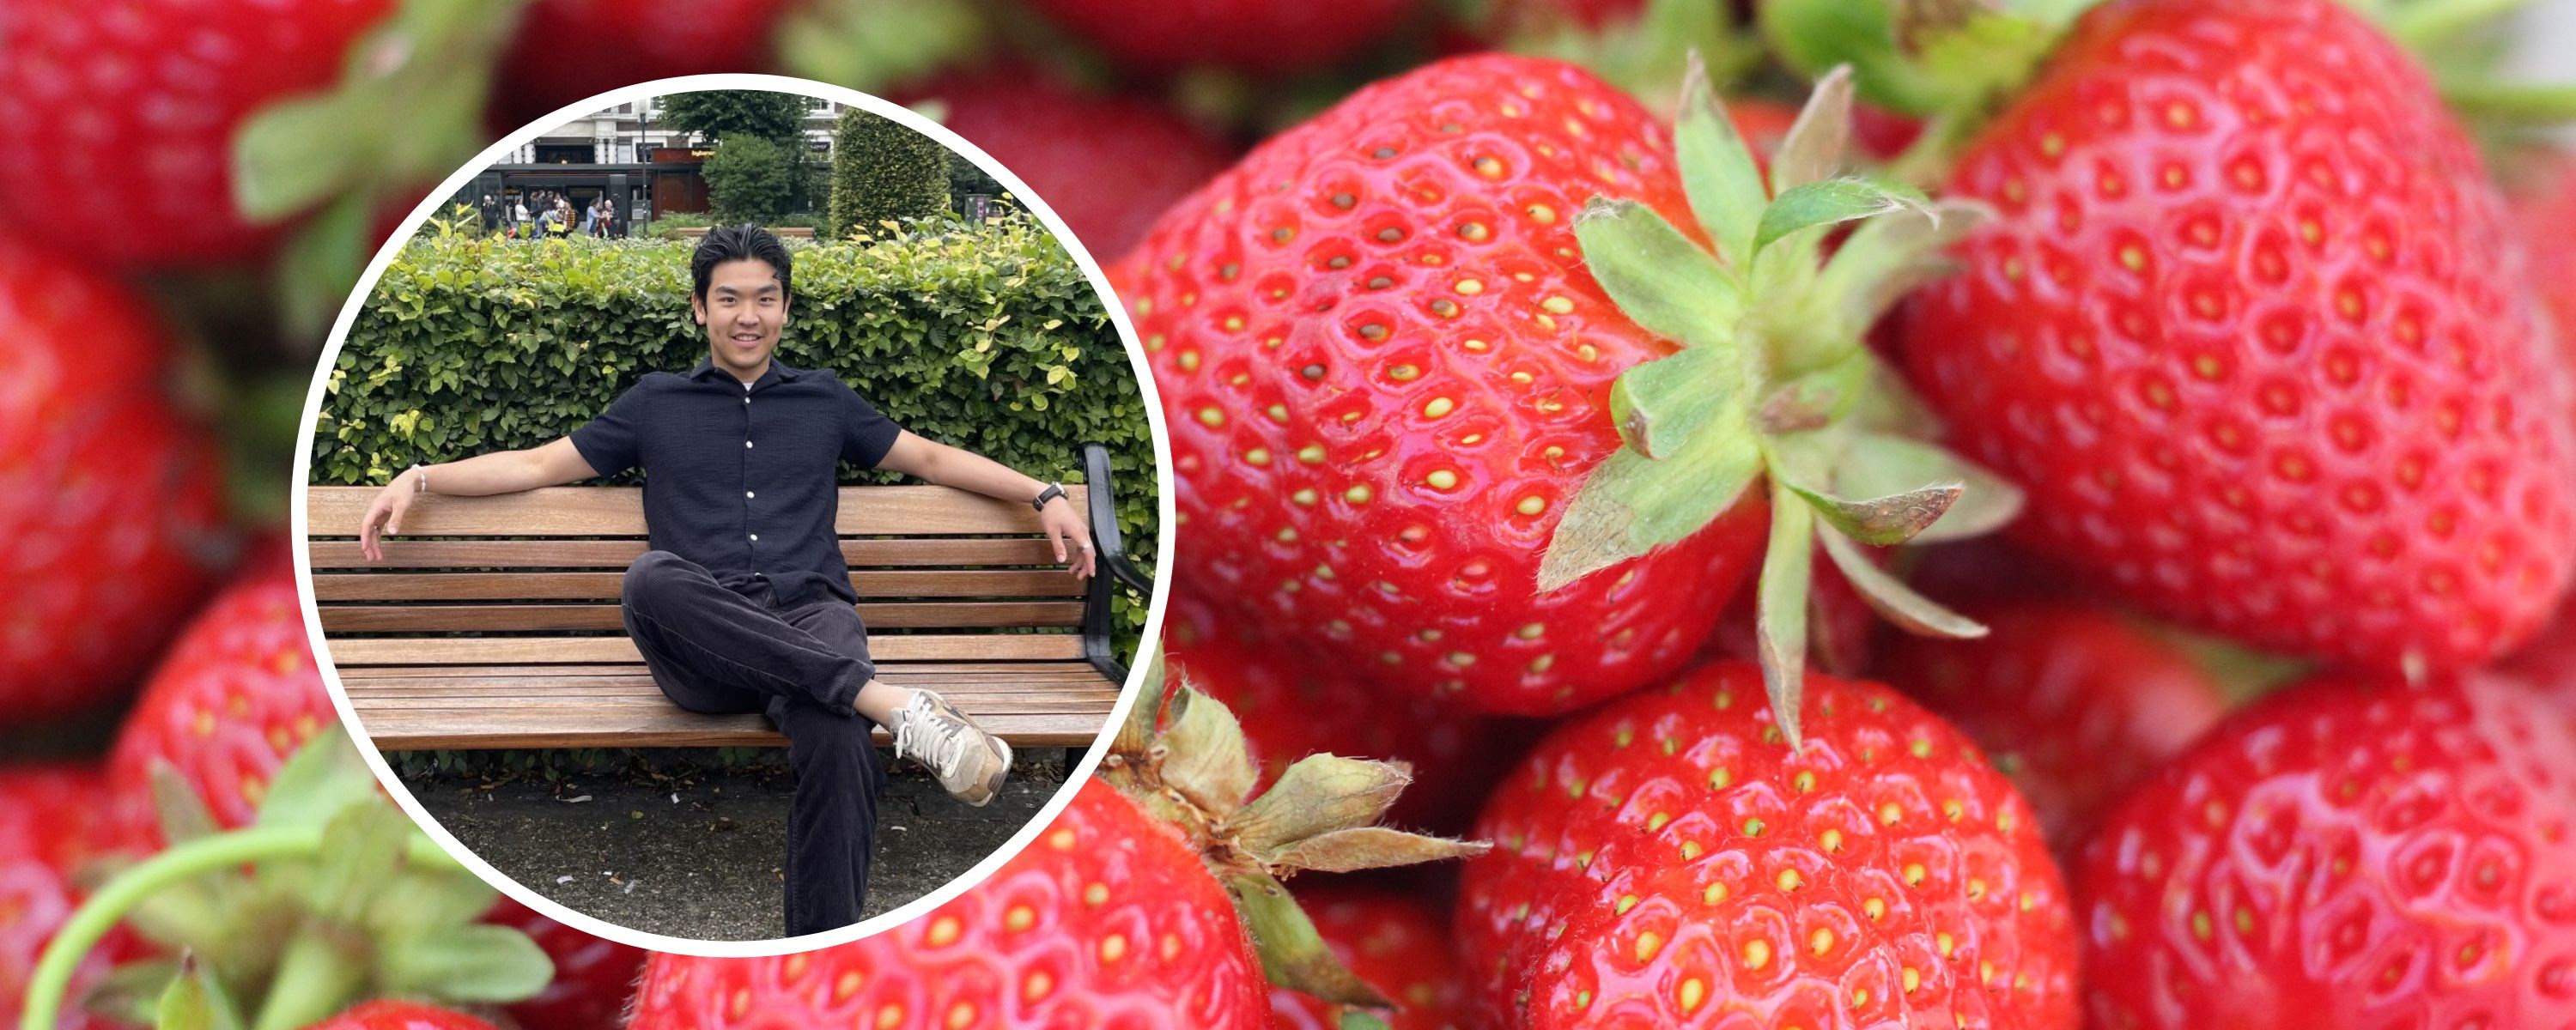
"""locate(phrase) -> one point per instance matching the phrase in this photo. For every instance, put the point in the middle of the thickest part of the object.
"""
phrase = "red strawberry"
(1107, 919)
(1078, 150)
(1292, 708)
(2546, 210)
(402, 1015)
(49, 825)
(138, 103)
(1429, 422)
(1385, 477)
(1668, 861)
(566, 50)
(2074, 703)
(1397, 941)
(2346, 854)
(111, 514)
(1255, 36)
(2251, 331)
(1119, 914)
(594, 976)
(236, 696)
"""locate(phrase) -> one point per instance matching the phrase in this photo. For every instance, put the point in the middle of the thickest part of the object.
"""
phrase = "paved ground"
(698, 854)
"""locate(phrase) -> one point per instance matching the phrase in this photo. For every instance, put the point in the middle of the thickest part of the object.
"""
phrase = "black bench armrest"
(1114, 563)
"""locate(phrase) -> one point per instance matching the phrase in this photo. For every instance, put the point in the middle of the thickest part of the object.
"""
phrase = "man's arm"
(500, 472)
(966, 470)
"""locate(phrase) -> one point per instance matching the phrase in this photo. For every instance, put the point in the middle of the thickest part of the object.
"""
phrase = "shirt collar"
(778, 370)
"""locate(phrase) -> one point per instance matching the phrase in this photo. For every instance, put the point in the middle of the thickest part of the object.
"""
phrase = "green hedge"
(987, 338)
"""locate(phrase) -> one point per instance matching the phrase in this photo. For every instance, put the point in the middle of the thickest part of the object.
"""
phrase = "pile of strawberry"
(1532, 436)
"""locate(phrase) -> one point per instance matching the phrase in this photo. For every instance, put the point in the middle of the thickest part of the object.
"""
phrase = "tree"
(750, 179)
(721, 114)
(882, 171)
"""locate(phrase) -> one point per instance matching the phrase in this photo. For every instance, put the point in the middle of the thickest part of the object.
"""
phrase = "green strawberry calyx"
(331, 896)
(1773, 381)
(1182, 758)
(407, 109)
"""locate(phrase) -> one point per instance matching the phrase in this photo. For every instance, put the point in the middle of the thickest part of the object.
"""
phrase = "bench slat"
(888, 669)
(618, 554)
(548, 728)
(607, 586)
(579, 709)
(564, 617)
(619, 511)
(396, 681)
(589, 650)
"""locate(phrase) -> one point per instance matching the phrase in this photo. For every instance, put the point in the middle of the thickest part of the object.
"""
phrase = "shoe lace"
(929, 736)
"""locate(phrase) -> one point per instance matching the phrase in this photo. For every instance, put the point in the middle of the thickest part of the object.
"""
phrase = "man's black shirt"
(741, 480)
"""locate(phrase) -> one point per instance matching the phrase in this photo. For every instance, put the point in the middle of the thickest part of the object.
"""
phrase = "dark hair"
(736, 243)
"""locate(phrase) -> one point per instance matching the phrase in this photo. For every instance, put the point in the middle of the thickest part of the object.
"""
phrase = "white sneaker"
(969, 762)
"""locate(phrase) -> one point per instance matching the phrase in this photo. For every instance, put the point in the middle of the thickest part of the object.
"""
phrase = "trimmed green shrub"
(988, 339)
(750, 179)
(883, 172)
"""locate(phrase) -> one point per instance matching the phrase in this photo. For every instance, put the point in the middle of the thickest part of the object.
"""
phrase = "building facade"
(646, 169)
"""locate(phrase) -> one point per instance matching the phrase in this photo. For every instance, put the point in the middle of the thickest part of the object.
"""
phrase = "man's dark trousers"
(716, 649)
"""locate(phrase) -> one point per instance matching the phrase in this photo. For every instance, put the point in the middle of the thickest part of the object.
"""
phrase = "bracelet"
(421, 485)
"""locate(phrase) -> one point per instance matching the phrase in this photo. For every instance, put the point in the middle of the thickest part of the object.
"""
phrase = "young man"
(743, 603)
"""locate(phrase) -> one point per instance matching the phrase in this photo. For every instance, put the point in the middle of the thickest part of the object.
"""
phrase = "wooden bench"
(493, 622)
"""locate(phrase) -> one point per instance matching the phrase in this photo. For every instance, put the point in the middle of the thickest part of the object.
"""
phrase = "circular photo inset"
(726, 513)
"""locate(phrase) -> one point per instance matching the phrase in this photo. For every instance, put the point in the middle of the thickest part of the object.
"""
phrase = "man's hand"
(385, 514)
(1070, 535)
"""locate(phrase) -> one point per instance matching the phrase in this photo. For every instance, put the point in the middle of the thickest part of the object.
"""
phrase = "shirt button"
(746, 493)
(755, 538)
(746, 445)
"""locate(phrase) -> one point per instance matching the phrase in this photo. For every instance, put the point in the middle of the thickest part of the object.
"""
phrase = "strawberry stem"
(2513, 102)
(2424, 24)
(316, 976)
(100, 914)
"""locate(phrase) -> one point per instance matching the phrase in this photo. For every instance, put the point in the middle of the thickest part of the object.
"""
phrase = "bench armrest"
(1114, 562)
(1104, 520)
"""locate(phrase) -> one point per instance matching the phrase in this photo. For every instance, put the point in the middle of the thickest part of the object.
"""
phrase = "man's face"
(743, 310)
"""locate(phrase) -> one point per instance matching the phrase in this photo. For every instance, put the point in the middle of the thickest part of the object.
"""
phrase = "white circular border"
(301, 526)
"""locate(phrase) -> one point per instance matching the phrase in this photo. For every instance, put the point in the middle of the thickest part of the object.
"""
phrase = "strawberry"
(594, 976)
(1117, 915)
(48, 828)
(1254, 36)
(2250, 329)
(1291, 708)
(1107, 919)
(111, 510)
(402, 1015)
(1667, 860)
(1078, 150)
(2346, 853)
(139, 102)
(235, 696)
(1397, 941)
(2074, 703)
(567, 50)
(2546, 209)
(1456, 401)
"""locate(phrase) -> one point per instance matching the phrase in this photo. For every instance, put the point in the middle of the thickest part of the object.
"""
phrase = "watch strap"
(1053, 491)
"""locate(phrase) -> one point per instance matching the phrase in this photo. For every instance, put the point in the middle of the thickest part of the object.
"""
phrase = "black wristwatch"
(1053, 491)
